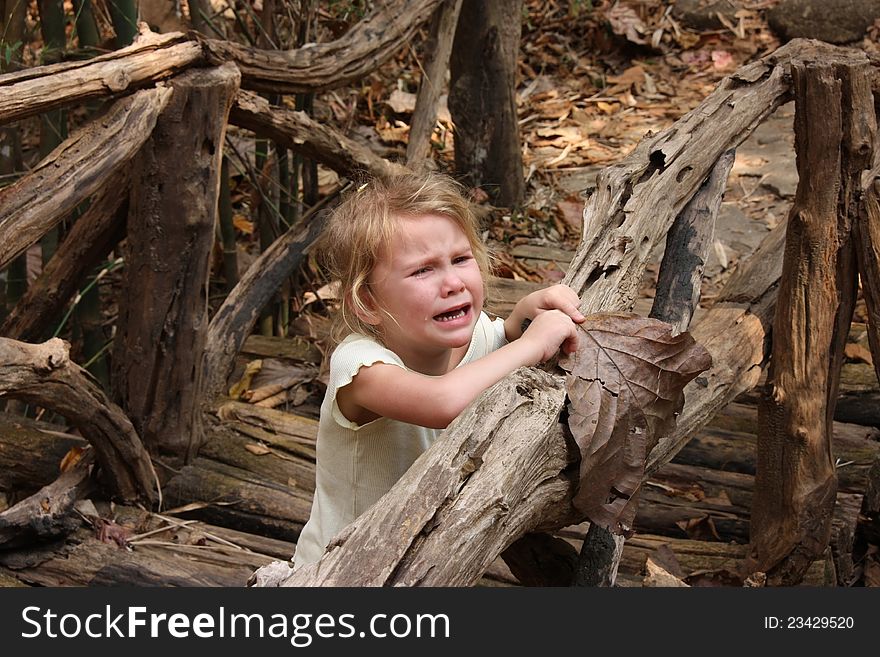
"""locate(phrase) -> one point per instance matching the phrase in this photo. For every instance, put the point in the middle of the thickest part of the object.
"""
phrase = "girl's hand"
(549, 332)
(557, 297)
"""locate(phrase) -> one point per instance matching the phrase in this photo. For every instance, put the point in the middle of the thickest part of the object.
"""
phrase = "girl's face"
(431, 286)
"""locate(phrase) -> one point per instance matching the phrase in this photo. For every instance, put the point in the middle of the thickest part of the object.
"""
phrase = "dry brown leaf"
(259, 450)
(657, 576)
(70, 459)
(626, 22)
(857, 353)
(624, 388)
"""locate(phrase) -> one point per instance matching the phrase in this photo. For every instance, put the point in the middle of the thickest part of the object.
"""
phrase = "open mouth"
(451, 315)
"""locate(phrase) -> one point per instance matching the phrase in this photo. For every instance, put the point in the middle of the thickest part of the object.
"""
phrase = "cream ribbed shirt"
(358, 464)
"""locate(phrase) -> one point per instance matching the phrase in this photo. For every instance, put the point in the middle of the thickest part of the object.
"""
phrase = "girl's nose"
(452, 283)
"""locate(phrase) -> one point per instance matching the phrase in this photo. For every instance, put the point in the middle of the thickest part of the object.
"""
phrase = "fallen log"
(303, 134)
(323, 66)
(75, 170)
(43, 374)
(31, 453)
(687, 501)
(152, 57)
(45, 515)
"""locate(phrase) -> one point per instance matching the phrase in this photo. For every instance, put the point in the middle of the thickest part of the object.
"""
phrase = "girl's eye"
(420, 271)
(462, 259)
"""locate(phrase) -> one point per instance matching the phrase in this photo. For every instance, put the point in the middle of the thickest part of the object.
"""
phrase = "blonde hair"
(363, 225)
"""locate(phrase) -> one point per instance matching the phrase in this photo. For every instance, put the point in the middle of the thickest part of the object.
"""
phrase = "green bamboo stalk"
(124, 14)
(53, 124)
(227, 229)
(86, 27)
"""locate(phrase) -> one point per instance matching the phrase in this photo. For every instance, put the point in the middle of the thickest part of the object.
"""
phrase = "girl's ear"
(365, 307)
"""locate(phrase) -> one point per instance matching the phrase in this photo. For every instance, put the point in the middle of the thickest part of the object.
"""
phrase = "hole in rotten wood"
(681, 174)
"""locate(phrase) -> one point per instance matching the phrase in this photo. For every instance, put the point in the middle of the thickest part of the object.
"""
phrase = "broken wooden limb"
(323, 66)
(163, 317)
(435, 64)
(46, 515)
(75, 170)
(687, 249)
(235, 319)
(152, 57)
(92, 237)
(43, 374)
(676, 298)
(303, 134)
(796, 483)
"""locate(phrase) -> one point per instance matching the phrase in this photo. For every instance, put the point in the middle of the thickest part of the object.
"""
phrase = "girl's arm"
(383, 390)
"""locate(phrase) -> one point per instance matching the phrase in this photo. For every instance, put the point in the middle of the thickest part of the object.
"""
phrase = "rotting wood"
(31, 453)
(92, 237)
(152, 57)
(687, 249)
(45, 515)
(435, 64)
(796, 483)
(688, 501)
(163, 318)
(75, 170)
(43, 374)
(303, 134)
(323, 66)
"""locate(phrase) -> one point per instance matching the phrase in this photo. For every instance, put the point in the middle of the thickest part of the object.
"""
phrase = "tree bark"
(330, 65)
(163, 313)
(482, 99)
(796, 482)
(75, 170)
(435, 64)
(43, 374)
(92, 237)
(151, 58)
(300, 132)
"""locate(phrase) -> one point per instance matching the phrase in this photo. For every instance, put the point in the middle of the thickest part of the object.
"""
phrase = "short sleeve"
(350, 356)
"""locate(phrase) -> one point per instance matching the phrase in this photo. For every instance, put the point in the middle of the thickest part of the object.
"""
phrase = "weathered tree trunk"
(93, 236)
(163, 313)
(301, 133)
(43, 374)
(482, 99)
(796, 481)
(151, 58)
(435, 63)
(75, 170)
(330, 65)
